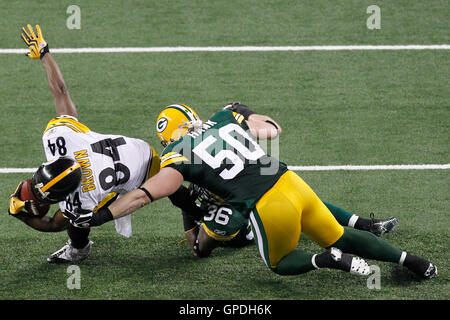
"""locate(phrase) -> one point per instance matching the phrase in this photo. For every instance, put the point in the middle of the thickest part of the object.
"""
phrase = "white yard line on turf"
(17, 170)
(312, 168)
(237, 49)
(372, 167)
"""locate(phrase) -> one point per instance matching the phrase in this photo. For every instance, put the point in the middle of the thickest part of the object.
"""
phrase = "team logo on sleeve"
(161, 125)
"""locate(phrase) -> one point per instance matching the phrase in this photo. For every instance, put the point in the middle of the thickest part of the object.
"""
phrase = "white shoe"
(69, 254)
(359, 266)
(346, 262)
(431, 272)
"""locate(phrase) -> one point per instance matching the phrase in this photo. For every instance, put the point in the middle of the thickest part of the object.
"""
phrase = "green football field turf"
(336, 108)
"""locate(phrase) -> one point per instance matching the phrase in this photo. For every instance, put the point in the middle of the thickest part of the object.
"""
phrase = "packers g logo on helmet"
(161, 125)
(174, 122)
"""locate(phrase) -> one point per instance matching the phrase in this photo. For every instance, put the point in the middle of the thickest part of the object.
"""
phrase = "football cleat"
(345, 262)
(431, 272)
(420, 266)
(359, 266)
(380, 227)
(69, 254)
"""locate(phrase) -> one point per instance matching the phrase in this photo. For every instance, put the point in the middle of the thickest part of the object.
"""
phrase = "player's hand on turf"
(16, 205)
(37, 45)
(80, 218)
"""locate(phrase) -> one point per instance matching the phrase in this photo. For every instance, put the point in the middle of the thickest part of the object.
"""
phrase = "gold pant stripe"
(216, 236)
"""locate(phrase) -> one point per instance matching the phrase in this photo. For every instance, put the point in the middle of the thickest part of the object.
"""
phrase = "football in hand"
(33, 205)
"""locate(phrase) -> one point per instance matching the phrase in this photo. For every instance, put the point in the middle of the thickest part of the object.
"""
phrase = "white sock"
(313, 261)
(402, 258)
(352, 221)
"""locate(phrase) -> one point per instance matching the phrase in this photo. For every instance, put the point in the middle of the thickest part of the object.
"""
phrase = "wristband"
(147, 193)
(242, 109)
(44, 51)
(100, 217)
(246, 113)
(272, 123)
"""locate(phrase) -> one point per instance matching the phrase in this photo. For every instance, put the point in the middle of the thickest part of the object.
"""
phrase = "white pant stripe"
(258, 237)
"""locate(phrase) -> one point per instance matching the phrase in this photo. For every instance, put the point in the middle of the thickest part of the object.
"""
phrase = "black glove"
(80, 218)
(239, 108)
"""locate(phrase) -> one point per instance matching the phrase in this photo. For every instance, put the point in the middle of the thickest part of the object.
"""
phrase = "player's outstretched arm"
(161, 185)
(39, 50)
(261, 126)
(63, 102)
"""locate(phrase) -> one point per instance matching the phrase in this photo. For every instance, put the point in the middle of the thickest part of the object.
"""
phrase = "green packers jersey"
(224, 158)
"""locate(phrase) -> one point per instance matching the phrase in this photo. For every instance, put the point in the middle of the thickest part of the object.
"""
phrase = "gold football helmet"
(175, 121)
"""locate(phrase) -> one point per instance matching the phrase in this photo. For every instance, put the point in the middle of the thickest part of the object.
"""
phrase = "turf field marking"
(372, 167)
(17, 170)
(312, 168)
(236, 49)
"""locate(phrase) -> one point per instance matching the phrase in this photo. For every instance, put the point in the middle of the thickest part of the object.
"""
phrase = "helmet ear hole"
(55, 180)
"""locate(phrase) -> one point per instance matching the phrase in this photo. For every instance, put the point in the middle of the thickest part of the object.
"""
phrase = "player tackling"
(105, 168)
(222, 155)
